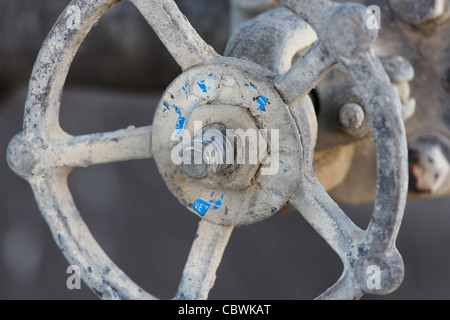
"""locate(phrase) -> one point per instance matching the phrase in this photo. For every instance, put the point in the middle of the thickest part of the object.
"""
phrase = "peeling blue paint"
(201, 205)
(166, 106)
(251, 85)
(262, 103)
(217, 203)
(181, 121)
(202, 86)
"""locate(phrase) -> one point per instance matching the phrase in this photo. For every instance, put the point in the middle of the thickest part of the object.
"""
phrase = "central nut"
(207, 154)
(211, 152)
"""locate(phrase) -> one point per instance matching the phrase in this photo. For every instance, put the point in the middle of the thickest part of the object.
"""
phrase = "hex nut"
(232, 117)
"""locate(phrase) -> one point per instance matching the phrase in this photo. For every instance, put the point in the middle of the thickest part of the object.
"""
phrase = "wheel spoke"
(100, 148)
(304, 75)
(325, 216)
(204, 258)
(175, 31)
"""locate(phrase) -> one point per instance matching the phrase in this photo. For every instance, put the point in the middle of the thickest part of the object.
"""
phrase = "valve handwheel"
(235, 94)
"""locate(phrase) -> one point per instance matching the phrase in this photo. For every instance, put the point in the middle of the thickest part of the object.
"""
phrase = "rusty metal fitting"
(418, 11)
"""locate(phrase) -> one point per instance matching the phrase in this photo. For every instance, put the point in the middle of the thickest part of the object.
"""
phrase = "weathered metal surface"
(230, 82)
(388, 134)
(211, 150)
(415, 56)
(277, 104)
(425, 47)
(44, 154)
(204, 258)
(272, 39)
(351, 116)
(232, 118)
(175, 32)
(351, 243)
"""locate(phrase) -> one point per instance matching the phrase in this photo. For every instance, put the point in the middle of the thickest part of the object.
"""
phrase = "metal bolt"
(418, 11)
(207, 154)
(351, 116)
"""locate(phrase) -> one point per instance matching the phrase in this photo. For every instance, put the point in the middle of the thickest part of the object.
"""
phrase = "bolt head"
(193, 169)
(206, 155)
(351, 116)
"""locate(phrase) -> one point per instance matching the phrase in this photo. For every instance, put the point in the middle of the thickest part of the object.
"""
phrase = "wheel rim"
(44, 155)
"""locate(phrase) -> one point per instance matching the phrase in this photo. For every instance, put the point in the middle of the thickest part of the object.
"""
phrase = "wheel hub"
(238, 98)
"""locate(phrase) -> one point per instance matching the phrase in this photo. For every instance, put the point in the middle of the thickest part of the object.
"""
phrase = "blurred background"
(115, 81)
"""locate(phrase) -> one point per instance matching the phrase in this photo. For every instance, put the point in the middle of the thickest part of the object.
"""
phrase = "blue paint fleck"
(251, 85)
(180, 123)
(202, 85)
(285, 170)
(217, 203)
(262, 103)
(185, 88)
(201, 206)
(166, 106)
(210, 74)
(212, 193)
